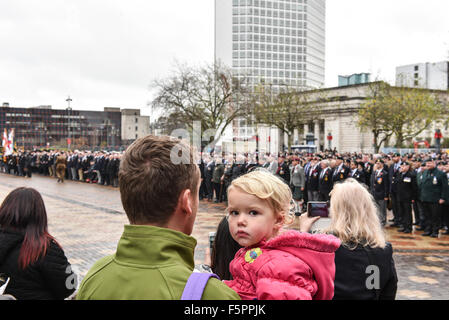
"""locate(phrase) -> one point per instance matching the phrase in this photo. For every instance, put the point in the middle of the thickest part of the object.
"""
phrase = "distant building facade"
(338, 118)
(134, 126)
(434, 76)
(44, 127)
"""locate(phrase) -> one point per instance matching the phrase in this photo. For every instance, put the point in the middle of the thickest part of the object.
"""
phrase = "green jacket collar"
(149, 247)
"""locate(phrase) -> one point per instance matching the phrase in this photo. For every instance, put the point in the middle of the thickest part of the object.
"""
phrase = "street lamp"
(69, 142)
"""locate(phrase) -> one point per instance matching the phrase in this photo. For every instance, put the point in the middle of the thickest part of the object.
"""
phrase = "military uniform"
(359, 176)
(61, 164)
(393, 173)
(433, 187)
(340, 174)
(216, 180)
(380, 190)
(312, 183)
(325, 184)
(407, 191)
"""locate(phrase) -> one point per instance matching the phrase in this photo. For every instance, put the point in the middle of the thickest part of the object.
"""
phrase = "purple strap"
(195, 285)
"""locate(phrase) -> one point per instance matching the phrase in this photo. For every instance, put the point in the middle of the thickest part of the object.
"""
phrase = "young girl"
(273, 266)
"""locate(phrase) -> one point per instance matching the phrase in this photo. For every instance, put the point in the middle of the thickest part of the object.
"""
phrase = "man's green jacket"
(151, 263)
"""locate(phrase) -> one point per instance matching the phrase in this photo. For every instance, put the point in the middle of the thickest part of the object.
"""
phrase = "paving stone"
(87, 220)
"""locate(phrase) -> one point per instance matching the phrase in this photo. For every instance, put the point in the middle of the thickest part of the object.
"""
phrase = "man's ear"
(186, 202)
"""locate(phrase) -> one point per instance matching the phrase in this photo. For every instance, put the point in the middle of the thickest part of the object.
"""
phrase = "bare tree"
(287, 108)
(207, 94)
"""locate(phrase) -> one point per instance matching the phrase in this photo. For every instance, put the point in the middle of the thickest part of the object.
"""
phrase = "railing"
(412, 150)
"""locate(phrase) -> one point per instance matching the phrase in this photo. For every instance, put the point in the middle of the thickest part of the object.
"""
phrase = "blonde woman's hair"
(266, 186)
(354, 216)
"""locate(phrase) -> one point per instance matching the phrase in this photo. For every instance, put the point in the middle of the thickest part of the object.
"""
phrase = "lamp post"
(69, 142)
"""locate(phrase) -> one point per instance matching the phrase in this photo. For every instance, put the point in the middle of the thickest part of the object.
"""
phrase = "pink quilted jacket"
(291, 266)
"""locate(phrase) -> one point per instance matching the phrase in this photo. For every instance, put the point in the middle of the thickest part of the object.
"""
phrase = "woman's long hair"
(23, 211)
(224, 249)
(354, 218)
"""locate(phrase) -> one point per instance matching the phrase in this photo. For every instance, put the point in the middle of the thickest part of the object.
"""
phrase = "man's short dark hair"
(151, 182)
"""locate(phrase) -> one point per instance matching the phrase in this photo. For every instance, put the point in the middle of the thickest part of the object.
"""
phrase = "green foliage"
(398, 111)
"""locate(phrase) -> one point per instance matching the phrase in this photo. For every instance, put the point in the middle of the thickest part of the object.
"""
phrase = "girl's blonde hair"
(354, 216)
(266, 186)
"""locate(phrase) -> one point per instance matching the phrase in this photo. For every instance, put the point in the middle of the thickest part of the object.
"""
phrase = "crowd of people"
(253, 253)
(86, 166)
(413, 186)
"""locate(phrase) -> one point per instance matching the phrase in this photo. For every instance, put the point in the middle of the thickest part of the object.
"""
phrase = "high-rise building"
(353, 79)
(433, 76)
(280, 42)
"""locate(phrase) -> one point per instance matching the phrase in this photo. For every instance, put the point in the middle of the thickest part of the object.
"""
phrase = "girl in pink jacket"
(273, 266)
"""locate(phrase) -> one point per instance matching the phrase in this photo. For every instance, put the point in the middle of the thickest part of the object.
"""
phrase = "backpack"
(196, 284)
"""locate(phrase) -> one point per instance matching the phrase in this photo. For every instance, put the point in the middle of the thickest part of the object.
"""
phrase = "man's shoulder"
(94, 271)
(217, 290)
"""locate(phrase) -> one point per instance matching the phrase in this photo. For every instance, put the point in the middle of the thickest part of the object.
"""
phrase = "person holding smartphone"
(364, 265)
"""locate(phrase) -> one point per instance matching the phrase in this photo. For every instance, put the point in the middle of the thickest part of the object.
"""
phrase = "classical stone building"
(339, 116)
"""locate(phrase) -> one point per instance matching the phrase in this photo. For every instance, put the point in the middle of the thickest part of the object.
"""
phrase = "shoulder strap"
(195, 285)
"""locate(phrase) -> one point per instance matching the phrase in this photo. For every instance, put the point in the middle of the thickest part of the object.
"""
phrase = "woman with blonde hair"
(364, 263)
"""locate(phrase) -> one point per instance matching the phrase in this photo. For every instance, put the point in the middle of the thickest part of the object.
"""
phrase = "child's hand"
(306, 222)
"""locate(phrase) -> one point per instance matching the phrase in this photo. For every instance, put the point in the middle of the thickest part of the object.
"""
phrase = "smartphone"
(318, 209)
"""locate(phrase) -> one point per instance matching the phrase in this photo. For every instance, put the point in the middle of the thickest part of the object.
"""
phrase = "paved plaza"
(87, 220)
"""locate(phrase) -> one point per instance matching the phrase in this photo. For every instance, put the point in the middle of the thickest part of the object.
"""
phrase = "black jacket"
(358, 175)
(325, 182)
(312, 181)
(283, 172)
(407, 187)
(353, 274)
(379, 186)
(49, 278)
(341, 174)
(394, 177)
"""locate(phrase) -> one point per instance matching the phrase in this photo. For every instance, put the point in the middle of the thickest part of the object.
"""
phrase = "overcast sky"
(105, 53)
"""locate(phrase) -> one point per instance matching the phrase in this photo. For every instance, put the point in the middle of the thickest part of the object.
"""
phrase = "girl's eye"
(233, 213)
(253, 213)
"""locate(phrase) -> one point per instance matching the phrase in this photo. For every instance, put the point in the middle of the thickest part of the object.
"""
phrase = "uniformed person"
(434, 188)
(356, 172)
(312, 181)
(325, 184)
(341, 172)
(445, 208)
(297, 182)
(393, 174)
(379, 187)
(407, 190)
(61, 165)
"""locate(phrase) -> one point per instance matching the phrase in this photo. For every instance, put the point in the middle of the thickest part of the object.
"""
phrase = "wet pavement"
(87, 220)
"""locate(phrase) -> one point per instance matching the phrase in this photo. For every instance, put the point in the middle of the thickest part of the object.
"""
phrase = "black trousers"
(416, 212)
(432, 217)
(396, 209)
(323, 197)
(203, 192)
(209, 188)
(217, 187)
(405, 210)
(445, 214)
